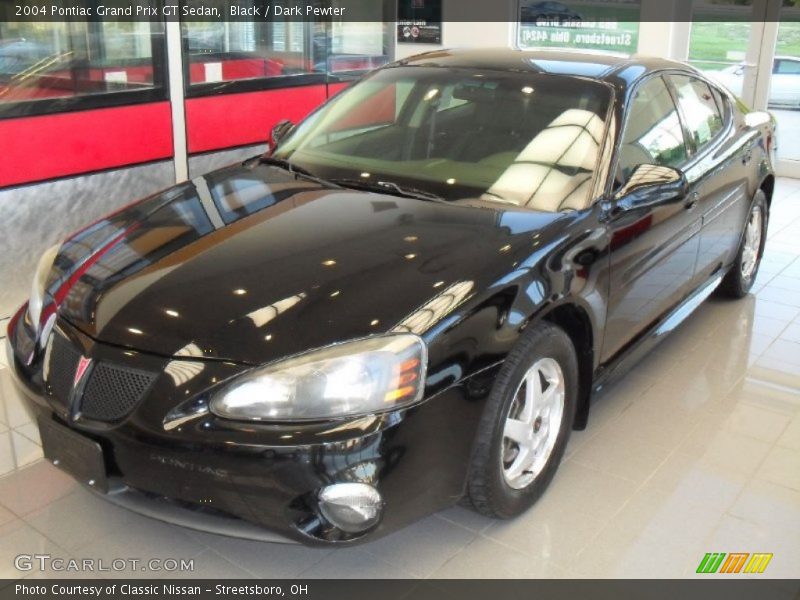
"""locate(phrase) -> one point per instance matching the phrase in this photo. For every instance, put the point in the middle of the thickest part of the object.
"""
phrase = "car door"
(653, 248)
(717, 173)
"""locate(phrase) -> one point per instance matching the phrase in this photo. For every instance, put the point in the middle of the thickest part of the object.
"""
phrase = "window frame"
(695, 153)
(611, 187)
(692, 157)
(157, 93)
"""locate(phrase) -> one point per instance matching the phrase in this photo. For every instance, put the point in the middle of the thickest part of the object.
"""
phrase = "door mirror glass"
(650, 185)
(279, 132)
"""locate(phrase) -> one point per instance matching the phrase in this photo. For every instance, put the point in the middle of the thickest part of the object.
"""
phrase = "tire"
(740, 278)
(492, 487)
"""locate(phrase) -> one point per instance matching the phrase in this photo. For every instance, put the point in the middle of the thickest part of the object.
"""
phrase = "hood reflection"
(156, 228)
(249, 264)
(262, 316)
(435, 309)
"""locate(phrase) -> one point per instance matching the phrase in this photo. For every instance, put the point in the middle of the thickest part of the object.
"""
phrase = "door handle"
(692, 200)
(748, 156)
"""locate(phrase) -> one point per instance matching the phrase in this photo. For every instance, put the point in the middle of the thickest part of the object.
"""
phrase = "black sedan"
(408, 301)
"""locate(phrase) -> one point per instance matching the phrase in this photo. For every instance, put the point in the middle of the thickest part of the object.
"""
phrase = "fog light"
(352, 507)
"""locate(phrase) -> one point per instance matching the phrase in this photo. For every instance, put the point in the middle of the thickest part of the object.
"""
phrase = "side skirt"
(627, 359)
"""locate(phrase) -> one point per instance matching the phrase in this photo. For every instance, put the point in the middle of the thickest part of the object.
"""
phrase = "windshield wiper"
(388, 187)
(294, 169)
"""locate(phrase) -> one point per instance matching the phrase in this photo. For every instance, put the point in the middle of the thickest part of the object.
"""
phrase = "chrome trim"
(688, 307)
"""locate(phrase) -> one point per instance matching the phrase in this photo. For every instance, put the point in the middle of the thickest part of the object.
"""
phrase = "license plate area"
(73, 453)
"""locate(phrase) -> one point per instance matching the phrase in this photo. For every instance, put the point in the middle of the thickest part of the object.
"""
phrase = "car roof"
(618, 69)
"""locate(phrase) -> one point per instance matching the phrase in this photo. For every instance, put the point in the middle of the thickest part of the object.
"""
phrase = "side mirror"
(279, 132)
(651, 185)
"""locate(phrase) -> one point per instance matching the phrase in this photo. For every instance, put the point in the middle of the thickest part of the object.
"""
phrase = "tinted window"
(518, 138)
(698, 108)
(787, 67)
(653, 133)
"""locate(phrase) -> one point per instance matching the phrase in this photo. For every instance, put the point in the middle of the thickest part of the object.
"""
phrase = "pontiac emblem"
(83, 364)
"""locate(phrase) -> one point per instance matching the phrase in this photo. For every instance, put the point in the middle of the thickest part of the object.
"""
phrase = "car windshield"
(527, 139)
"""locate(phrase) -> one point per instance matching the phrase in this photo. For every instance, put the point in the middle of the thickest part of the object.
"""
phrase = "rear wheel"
(739, 280)
(526, 424)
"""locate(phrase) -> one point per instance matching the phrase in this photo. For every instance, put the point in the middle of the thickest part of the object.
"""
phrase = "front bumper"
(257, 480)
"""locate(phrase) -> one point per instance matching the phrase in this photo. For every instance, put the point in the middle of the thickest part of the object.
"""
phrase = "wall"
(463, 35)
(34, 217)
(203, 163)
(657, 35)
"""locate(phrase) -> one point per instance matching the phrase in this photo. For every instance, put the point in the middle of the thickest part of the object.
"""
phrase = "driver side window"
(653, 133)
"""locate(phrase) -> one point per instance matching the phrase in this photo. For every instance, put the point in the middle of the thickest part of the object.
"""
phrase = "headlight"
(38, 287)
(367, 376)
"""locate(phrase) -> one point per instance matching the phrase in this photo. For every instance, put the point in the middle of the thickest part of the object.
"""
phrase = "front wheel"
(739, 280)
(526, 424)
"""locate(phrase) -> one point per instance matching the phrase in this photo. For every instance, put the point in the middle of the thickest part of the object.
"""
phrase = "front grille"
(64, 359)
(112, 391)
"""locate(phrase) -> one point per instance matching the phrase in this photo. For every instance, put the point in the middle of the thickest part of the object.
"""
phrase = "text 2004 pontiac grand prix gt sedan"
(408, 301)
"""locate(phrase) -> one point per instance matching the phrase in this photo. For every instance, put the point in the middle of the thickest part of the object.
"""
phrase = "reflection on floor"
(697, 450)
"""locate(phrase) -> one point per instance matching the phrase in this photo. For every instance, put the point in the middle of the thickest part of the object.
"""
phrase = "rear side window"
(787, 67)
(699, 109)
(653, 133)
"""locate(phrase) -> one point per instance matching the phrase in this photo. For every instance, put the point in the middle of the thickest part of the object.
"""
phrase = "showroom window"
(589, 26)
(248, 50)
(56, 66)
(358, 47)
(255, 55)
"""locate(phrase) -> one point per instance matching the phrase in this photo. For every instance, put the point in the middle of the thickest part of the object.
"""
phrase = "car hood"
(250, 264)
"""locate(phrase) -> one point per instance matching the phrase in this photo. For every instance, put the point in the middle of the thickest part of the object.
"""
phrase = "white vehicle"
(785, 87)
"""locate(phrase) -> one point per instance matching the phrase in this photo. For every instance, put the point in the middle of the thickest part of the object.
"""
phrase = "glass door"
(753, 49)
(725, 43)
(783, 98)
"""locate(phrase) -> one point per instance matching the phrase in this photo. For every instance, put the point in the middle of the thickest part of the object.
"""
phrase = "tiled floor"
(697, 450)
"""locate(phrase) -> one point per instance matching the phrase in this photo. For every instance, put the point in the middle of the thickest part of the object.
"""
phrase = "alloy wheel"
(752, 243)
(533, 422)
